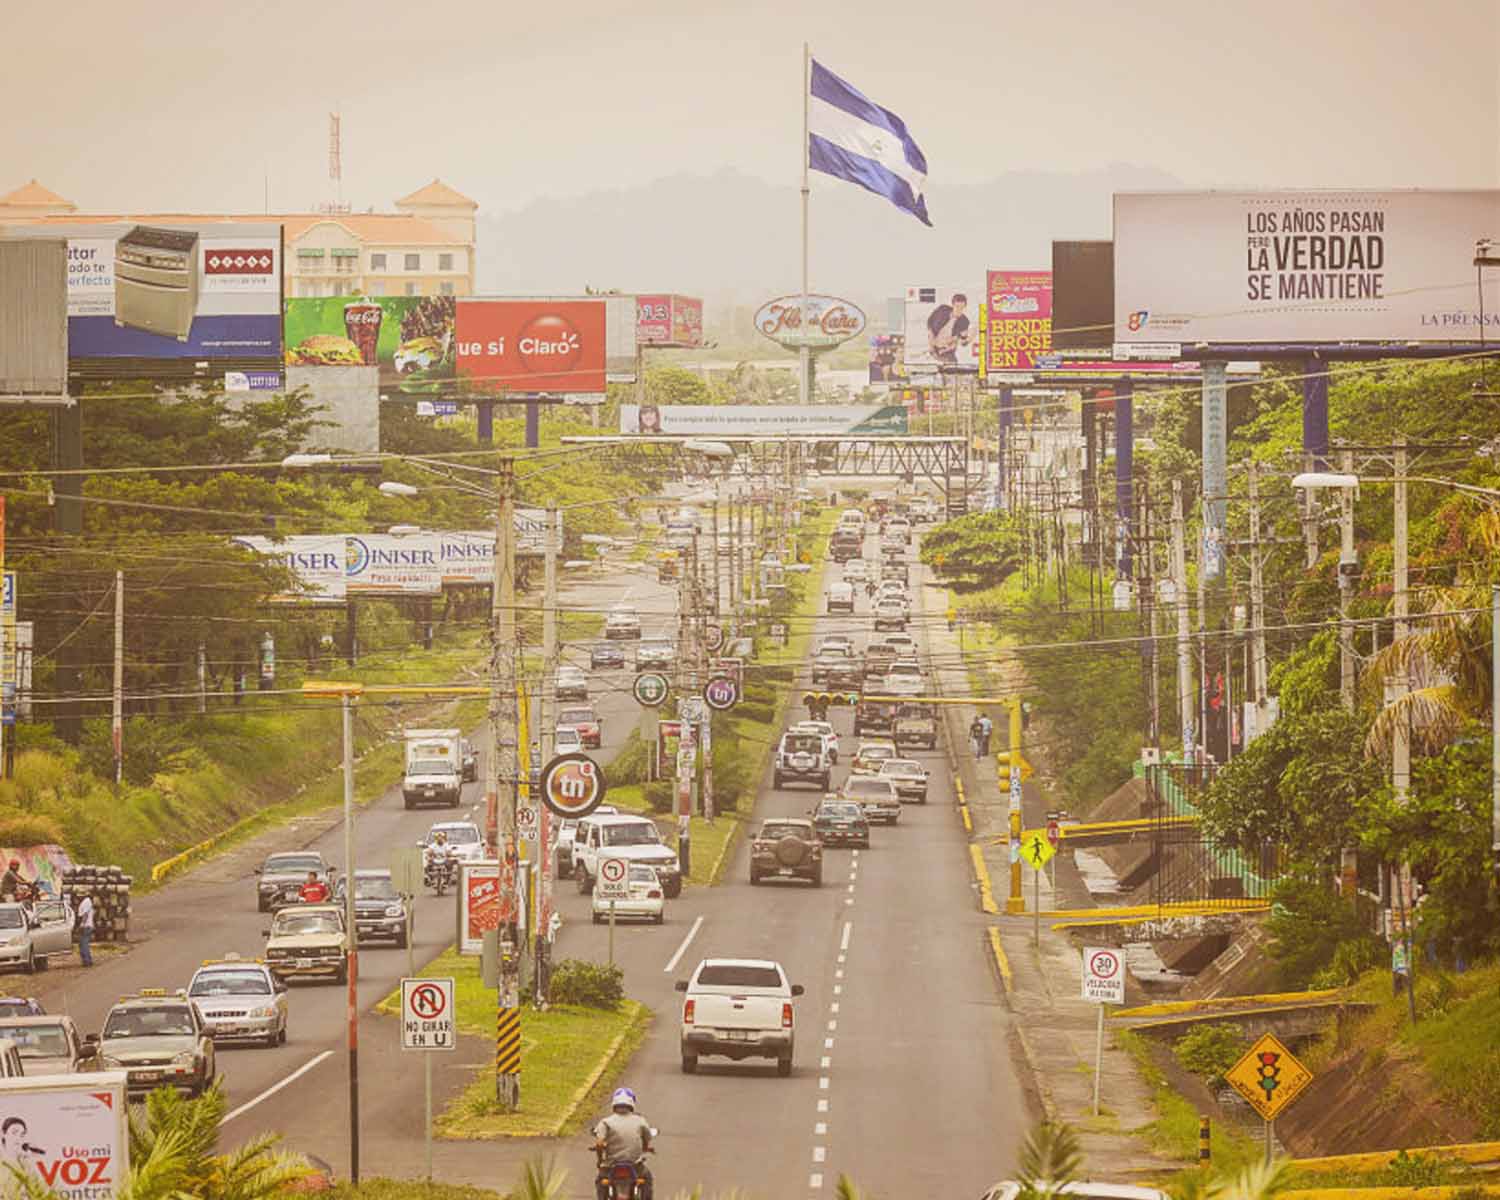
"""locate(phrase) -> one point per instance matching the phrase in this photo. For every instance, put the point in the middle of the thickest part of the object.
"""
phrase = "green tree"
(976, 551)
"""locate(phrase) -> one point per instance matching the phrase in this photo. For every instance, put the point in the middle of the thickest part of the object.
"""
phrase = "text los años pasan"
(1315, 254)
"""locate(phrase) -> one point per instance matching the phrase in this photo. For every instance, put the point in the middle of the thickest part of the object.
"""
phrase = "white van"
(841, 596)
(852, 518)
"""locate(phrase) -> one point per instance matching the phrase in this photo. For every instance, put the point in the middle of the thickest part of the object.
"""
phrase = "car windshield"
(841, 811)
(804, 743)
(167, 1020)
(428, 766)
(290, 923)
(459, 835)
(637, 833)
(566, 737)
(11, 918)
(230, 983)
(900, 766)
(738, 975)
(19, 1008)
(641, 873)
(575, 716)
(781, 829)
(867, 787)
(287, 864)
(570, 673)
(868, 752)
(375, 887)
(38, 1041)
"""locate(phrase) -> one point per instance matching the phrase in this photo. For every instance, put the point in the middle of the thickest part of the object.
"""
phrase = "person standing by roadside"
(986, 731)
(86, 930)
(976, 736)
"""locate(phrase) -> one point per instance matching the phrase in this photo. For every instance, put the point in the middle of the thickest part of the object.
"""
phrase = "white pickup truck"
(738, 1008)
(627, 836)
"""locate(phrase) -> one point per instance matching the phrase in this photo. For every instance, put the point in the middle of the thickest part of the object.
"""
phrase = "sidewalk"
(1053, 1028)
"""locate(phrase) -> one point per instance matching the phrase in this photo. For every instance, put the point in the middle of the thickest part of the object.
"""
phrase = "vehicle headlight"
(186, 1059)
(265, 1010)
(110, 1063)
(393, 910)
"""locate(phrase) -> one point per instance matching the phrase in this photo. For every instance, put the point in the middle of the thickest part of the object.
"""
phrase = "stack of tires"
(110, 889)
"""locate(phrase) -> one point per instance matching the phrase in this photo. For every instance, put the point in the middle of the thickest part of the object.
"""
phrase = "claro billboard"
(531, 347)
(157, 299)
(1301, 267)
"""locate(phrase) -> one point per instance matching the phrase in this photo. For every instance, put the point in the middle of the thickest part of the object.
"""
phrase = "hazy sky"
(190, 104)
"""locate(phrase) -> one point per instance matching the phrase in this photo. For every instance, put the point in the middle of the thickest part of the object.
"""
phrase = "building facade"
(425, 248)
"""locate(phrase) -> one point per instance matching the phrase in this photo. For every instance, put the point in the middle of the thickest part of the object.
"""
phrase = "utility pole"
(1396, 689)
(500, 769)
(1186, 705)
(351, 936)
(713, 520)
(1346, 585)
(1257, 605)
(117, 706)
(547, 718)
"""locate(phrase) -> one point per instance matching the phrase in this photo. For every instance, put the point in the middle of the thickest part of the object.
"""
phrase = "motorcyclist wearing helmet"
(625, 1136)
(438, 849)
(11, 883)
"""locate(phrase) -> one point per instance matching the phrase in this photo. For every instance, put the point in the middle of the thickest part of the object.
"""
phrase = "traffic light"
(1270, 1073)
(830, 699)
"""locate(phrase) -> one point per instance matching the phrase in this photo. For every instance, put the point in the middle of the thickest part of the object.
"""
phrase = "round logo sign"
(1104, 964)
(813, 321)
(651, 689)
(720, 693)
(548, 344)
(572, 785)
(715, 636)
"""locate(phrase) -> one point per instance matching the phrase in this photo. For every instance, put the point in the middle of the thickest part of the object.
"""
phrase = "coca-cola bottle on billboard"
(362, 325)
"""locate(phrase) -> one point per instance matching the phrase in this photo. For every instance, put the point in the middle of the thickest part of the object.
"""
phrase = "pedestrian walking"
(976, 737)
(1400, 966)
(986, 731)
(86, 930)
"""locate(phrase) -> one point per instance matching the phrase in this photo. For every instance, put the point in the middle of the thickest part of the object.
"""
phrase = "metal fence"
(1191, 866)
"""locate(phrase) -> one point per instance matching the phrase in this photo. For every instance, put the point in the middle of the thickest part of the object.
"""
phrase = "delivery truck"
(434, 767)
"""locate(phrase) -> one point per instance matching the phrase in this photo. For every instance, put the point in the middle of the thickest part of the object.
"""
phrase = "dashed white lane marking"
(834, 1007)
(842, 958)
(823, 1106)
(838, 989)
(276, 1087)
(820, 1154)
(815, 1180)
(832, 1025)
(823, 1083)
(855, 853)
(682, 949)
(828, 1043)
(825, 1062)
(821, 1128)
(849, 899)
(851, 887)
(839, 974)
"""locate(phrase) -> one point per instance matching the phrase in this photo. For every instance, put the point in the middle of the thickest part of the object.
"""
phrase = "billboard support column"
(1314, 445)
(67, 455)
(1215, 467)
(486, 422)
(1124, 469)
(1002, 447)
(533, 423)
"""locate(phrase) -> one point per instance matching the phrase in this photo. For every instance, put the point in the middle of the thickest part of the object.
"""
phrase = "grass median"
(570, 1058)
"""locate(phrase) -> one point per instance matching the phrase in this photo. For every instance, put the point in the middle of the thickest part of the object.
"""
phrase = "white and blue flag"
(853, 138)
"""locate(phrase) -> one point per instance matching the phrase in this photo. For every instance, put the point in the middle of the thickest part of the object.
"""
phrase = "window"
(413, 262)
(411, 289)
(310, 253)
(377, 262)
(739, 975)
(445, 262)
(446, 288)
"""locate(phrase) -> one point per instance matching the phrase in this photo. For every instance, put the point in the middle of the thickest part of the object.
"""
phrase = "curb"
(1476, 1154)
(1002, 963)
(982, 874)
(716, 874)
(642, 1018)
(1447, 1192)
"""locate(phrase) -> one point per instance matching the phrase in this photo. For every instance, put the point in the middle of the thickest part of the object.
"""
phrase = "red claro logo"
(549, 344)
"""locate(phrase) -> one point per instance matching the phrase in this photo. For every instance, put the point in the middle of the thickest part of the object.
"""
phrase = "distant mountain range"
(733, 238)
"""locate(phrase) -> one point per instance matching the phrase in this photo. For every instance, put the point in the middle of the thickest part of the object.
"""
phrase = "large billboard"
(817, 322)
(888, 358)
(760, 420)
(409, 338)
(1083, 295)
(1020, 319)
(942, 328)
(34, 318)
(174, 292)
(530, 347)
(1301, 267)
(664, 319)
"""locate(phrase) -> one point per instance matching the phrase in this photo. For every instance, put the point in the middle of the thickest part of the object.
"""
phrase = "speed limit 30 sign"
(1104, 975)
(427, 1015)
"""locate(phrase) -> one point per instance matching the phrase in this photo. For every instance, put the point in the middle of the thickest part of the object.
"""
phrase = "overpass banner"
(752, 420)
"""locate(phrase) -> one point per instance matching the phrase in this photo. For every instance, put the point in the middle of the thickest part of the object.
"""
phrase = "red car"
(585, 720)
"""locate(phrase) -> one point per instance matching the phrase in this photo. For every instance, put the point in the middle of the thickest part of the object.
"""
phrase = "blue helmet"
(623, 1098)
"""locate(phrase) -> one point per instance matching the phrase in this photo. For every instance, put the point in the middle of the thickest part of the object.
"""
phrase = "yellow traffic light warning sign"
(1037, 849)
(1269, 1077)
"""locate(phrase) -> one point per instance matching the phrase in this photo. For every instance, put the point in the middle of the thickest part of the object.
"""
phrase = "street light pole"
(351, 936)
(500, 770)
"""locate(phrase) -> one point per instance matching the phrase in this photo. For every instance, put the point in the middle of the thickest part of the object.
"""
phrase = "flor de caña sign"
(817, 322)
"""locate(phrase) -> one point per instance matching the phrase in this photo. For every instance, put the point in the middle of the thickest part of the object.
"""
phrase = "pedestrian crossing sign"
(1036, 849)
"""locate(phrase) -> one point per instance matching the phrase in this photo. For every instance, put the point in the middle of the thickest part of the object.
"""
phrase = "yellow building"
(425, 248)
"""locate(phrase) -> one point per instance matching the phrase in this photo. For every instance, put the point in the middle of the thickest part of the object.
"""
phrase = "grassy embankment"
(745, 735)
(243, 767)
(572, 1055)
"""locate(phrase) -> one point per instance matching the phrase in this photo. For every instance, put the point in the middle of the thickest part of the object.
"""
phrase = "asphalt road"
(902, 1080)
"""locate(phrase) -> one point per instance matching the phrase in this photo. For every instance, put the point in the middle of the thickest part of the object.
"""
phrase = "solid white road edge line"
(821, 1128)
(822, 1105)
(276, 1087)
(820, 1153)
(823, 1083)
(844, 941)
(682, 949)
(815, 1181)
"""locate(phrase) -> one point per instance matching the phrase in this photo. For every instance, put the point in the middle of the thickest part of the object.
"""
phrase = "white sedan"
(646, 901)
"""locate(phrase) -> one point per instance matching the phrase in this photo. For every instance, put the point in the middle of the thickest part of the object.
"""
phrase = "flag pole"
(803, 355)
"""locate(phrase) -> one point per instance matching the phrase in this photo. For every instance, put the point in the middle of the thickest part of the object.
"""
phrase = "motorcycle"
(620, 1180)
(440, 872)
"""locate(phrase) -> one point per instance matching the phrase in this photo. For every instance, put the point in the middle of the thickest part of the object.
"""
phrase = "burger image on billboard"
(409, 338)
(325, 350)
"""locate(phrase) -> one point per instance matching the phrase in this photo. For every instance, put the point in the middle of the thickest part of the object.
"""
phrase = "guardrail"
(168, 865)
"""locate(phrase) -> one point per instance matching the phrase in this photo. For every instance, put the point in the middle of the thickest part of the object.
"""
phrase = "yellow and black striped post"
(507, 1049)
(1205, 1131)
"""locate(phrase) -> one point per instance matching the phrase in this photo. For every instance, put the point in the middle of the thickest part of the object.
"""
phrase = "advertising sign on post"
(750, 420)
(817, 322)
(1020, 319)
(669, 320)
(480, 904)
(942, 328)
(888, 358)
(74, 1133)
(317, 561)
(1302, 267)
(528, 347)
(404, 564)
(410, 338)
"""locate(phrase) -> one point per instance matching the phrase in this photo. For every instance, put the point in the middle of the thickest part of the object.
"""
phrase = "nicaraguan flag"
(853, 138)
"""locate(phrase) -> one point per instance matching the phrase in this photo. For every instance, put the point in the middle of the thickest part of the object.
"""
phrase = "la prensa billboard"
(1302, 268)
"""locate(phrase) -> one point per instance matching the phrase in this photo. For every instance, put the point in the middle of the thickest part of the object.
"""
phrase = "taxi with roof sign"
(240, 999)
(158, 1038)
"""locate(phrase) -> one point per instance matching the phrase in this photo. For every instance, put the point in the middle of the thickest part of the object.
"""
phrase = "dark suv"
(842, 823)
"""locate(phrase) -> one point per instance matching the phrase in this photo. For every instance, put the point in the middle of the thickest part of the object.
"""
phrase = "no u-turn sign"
(427, 1014)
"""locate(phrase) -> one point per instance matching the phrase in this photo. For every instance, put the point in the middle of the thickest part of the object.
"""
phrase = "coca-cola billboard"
(531, 347)
(816, 322)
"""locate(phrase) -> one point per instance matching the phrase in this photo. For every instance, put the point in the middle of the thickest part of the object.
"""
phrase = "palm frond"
(256, 1170)
(1260, 1180)
(162, 1174)
(1434, 715)
(1050, 1159)
(541, 1179)
(845, 1189)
